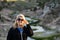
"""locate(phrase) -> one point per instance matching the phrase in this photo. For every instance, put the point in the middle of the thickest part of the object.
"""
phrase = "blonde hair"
(21, 15)
(15, 23)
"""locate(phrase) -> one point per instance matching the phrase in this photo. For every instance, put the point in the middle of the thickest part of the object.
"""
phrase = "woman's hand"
(26, 22)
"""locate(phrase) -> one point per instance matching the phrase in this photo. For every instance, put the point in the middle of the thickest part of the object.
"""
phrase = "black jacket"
(14, 34)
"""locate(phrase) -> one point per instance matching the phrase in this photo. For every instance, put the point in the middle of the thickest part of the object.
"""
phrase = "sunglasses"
(20, 19)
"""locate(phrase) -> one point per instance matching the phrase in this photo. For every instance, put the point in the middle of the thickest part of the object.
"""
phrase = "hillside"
(45, 16)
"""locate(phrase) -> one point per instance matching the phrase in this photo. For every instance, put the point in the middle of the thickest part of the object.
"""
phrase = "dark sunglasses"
(20, 19)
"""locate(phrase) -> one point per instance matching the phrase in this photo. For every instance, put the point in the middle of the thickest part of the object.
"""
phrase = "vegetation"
(51, 37)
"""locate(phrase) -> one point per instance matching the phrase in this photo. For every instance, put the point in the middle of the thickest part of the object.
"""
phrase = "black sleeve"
(28, 30)
(9, 36)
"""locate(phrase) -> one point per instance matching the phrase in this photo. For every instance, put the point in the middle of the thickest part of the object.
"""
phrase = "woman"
(20, 30)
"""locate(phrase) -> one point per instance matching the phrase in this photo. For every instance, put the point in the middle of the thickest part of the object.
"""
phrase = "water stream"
(40, 29)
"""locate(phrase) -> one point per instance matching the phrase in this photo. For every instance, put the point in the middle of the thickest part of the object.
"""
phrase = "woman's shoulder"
(11, 29)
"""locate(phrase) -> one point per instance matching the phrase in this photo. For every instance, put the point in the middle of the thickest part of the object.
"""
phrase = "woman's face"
(20, 21)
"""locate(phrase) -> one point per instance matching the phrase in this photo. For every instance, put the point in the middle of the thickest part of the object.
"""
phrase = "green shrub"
(1, 8)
